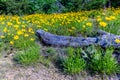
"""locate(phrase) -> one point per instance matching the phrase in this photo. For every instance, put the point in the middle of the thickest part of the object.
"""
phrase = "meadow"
(18, 32)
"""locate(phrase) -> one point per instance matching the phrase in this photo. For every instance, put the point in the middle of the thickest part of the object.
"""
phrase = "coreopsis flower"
(39, 26)
(2, 37)
(2, 22)
(23, 30)
(89, 24)
(99, 19)
(73, 28)
(11, 42)
(103, 24)
(16, 26)
(45, 29)
(32, 32)
(16, 37)
(117, 40)
(30, 29)
(70, 30)
(108, 18)
(26, 35)
(83, 26)
(19, 32)
(23, 26)
(32, 39)
(9, 23)
(5, 30)
(112, 17)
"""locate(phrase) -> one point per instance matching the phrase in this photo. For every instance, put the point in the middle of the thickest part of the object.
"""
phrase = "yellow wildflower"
(23, 30)
(112, 17)
(117, 40)
(73, 28)
(39, 26)
(89, 24)
(2, 37)
(5, 30)
(2, 22)
(32, 32)
(23, 26)
(30, 29)
(8, 31)
(19, 32)
(108, 18)
(26, 35)
(32, 39)
(78, 20)
(9, 34)
(99, 19)
(17, 21)
(70, 30)
(16, 26)
(16, 37)
(103, 24)
(83, 26)
(9, 23)
(45, 29)
(11, 42)
(103, 14)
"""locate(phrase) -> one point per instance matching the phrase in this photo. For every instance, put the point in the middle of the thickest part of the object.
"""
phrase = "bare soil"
(10, 71)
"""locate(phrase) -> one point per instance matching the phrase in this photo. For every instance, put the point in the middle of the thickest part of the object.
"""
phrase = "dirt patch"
(10, 71)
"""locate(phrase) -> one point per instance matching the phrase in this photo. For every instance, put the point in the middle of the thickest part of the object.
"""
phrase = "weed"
(74, 63)
(50, 54)
(29, 56)
(1, 45)
(45, 62)
(103, 62)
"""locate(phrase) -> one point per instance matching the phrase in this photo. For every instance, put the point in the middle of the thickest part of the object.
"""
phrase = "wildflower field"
(18, 32)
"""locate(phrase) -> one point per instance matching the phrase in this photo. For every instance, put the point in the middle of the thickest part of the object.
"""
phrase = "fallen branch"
(104, 40)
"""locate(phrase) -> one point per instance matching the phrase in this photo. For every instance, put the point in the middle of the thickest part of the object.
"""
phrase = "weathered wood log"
(104, 40)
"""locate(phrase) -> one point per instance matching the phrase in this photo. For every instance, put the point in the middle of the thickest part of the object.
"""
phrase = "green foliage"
(1, 45)
(100, 60)
(50, 54)
(72, 5)
(27, 6)
(49, 6)
(51, 51)
(103, 62)
(88, 51)
(14, 7)
(76, 5)
(115, 3)
(45, 62)
(74, 63)
(29, 56)
(2, 7)
(94, 4)
(44, 6)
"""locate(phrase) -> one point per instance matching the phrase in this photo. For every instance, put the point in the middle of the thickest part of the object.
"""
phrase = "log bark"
(105, 39)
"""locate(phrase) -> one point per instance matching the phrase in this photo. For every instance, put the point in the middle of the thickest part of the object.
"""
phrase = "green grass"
(29, 56)
(1, 45)
(103, 62)
(74, 63)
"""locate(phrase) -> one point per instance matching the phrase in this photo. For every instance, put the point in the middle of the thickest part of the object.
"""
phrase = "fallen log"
(105, 39)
